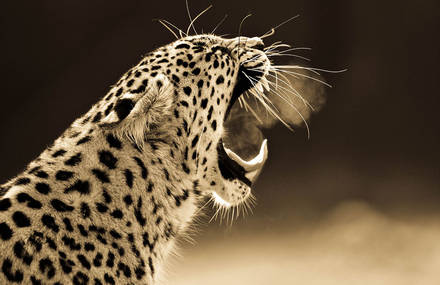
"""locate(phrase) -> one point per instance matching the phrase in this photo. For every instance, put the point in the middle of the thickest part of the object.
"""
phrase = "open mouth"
(233, 166)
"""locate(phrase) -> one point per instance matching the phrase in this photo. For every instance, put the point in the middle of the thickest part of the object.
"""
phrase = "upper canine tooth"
(259, 87)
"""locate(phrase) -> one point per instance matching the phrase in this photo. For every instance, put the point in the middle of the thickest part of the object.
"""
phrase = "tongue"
(253, 166)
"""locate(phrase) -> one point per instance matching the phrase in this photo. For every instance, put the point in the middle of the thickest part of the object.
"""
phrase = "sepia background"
(357, 203)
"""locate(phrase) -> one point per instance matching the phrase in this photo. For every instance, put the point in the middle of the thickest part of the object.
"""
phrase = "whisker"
(219, 24)
(292, 55)
(305, 76)
(168, 28)
(195, 19)
(279, 25)
(174, 26)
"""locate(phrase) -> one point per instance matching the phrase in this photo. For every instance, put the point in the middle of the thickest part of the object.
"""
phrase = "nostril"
(259, 47)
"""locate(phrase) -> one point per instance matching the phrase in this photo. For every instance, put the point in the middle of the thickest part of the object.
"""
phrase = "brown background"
(375, 142)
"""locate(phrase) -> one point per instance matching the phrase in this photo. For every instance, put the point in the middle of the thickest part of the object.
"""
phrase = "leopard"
(106, 201)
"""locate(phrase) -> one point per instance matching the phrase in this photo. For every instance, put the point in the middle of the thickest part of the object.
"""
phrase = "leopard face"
(183, 93)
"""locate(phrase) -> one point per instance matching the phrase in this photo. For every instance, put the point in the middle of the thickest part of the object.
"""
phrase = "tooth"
(255, 164)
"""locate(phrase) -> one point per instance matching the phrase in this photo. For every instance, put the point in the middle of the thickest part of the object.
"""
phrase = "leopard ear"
(136, 114)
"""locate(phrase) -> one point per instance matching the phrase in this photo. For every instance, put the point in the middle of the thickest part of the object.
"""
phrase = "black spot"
(16, 276)
(182, 46)
(46, 267)
(194, 141)
(210, 113)
(128, 200)
(70, 242)
(101, 175)
(196, 71)
(63, 175)
(82, 230)
(68, 224)
(43, 188)
(128, 178)
(204, 103)
(85, 210)
(175, 78)
(74, 160)
(80, 186)
(114, 142)
(5, 204)
(101, 207)
(110, 260)
(20, 219)
(214, 125)
(130, 83)
(117, 214)
(123, 107)
(187, 90)
(208, 57)
(84, 262)
(60, 152)
(60, 206)
(115, 234)
(220, 80)
(84, 140)
(139, 272)
(108, 109)
(125, 269)
(51, 243)
(144, 171)
(150, 187)
(23, 181)
(36, 240)
(107, 158)
(80, 279)
(5, 231)
(42, 174)
(97, 261)
(177, 199)
(97, 117)
(150, 264)
(118, 92)
(184, 103)
(138, 213)
(109, 279)
(107, 197)
(167, 174)
(49, 222)
(36, 281)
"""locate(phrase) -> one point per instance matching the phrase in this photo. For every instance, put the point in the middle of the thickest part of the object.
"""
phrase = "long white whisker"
(219, 24)
(168, 28)
(174, 26)
(195, 19)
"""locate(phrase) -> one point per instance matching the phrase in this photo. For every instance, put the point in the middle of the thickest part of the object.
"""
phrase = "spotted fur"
(104, 203)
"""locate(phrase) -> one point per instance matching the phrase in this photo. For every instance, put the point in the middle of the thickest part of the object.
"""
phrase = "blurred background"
(357, 203)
